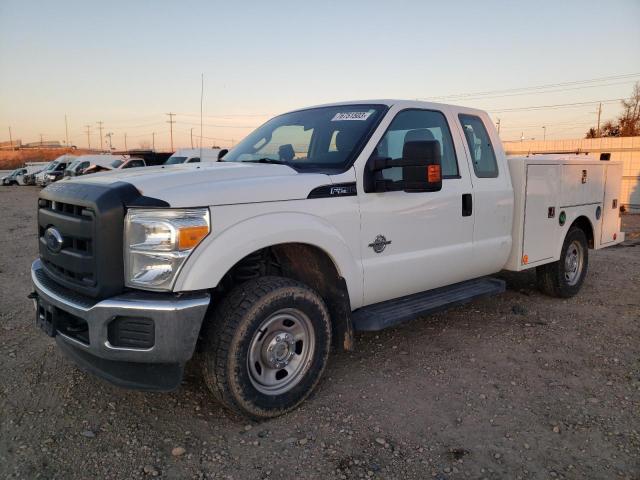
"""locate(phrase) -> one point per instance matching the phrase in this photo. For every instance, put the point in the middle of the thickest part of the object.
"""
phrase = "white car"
(194, 155)
(323, 221)
(12, 178)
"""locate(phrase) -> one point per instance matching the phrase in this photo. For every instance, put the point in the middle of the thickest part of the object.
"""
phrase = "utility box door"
(581, 184)
(611, 203)
(541, 212)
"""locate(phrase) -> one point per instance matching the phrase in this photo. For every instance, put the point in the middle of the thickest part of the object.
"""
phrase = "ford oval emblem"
(53, 239)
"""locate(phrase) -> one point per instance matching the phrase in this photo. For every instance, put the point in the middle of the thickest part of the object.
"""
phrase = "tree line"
(628, 122)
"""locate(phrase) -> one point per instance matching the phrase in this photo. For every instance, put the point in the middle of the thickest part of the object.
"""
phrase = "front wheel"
(267, 347)
(565, 277)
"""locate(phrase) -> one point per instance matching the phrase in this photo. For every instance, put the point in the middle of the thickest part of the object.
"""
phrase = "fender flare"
(215, 256)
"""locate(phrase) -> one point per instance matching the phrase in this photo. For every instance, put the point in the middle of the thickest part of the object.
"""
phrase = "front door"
(413, 242)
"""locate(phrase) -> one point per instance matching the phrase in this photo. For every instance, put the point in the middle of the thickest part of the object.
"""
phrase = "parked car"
(12, 178)
(86, 164)
(323, 221)
(194, 155)
(54, 171)
(76, 167)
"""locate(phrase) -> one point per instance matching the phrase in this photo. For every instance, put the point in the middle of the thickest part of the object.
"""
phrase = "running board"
(399, 310)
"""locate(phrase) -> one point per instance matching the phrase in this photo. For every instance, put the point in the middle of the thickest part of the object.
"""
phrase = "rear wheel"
(565, 277)
(267, 347)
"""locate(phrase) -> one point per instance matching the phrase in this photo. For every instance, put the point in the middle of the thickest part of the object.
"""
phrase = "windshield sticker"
(362, 116)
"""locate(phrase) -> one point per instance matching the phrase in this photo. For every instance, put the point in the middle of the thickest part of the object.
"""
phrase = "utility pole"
(544, 133)
(100, 128)
(498, 126)
(191, 137)
(599, 112)
(10, 138)
(88, 127)
(66, 129)
(171, 121)
(109, 135)
(153, 141)
(522, 137)
(125, 143)
(41, 140)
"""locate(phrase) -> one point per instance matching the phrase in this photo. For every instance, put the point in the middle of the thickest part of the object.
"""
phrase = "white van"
(193, 155)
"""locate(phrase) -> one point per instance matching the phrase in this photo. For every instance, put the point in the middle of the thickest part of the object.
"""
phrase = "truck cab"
(323, 221)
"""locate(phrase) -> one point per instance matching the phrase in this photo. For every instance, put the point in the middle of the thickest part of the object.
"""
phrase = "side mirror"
(422, 166)
(421, 169)
(222, 153)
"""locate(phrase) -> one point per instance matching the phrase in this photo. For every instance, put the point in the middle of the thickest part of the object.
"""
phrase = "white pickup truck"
(323, 221)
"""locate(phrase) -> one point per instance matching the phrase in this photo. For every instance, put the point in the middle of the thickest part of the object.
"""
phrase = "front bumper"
(176, 324)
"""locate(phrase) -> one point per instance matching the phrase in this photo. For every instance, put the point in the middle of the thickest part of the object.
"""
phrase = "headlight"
(157, 243)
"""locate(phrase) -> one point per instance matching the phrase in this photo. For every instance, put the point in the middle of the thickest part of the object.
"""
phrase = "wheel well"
(307, 264)
(584, 224)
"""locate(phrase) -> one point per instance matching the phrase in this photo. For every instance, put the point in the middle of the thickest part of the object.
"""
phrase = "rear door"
(412, 242)
(610, 205)
(492, 194)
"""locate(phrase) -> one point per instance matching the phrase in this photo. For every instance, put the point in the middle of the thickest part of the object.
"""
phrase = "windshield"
(51, 166)
(318, 139)
(175, 160)
(116, 163)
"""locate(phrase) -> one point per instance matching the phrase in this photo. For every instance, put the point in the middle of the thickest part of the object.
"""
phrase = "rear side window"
(482, 154)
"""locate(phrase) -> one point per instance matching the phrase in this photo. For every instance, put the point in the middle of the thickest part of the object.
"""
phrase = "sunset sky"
(128, 63)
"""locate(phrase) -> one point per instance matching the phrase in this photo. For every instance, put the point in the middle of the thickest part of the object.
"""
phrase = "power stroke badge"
(380, 243)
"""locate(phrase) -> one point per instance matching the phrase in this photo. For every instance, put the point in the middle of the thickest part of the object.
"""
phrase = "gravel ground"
(515, 386)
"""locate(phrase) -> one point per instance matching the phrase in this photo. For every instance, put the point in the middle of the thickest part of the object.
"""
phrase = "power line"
(557, 105)
(536, 87)
(100, 128)
(171, 121)
(88, 127)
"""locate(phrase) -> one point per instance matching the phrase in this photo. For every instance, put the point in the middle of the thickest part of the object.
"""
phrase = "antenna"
(201, 99)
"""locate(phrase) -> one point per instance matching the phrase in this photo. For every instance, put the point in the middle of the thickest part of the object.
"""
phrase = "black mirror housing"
(222, 153)
(421, 169)
(422, 166)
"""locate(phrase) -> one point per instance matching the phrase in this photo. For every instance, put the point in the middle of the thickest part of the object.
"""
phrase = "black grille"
(89, 218)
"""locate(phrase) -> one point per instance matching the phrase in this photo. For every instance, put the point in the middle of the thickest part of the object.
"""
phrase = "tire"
(565, 277)
(262, 328)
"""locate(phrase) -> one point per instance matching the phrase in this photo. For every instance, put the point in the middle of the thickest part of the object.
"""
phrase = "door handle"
(467, 204)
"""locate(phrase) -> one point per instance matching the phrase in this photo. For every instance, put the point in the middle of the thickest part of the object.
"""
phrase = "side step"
(399, 310)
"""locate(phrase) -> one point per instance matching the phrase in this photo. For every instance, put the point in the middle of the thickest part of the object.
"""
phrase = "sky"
(128, 63)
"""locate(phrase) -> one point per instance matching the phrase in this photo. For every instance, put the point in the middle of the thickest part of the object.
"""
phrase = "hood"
(216, 183)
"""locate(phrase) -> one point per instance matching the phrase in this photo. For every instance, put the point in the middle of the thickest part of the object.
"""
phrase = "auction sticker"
(350, 116)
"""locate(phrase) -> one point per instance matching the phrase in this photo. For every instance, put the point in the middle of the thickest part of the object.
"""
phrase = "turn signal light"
(525, 259)
(433, 173)
(189, 237)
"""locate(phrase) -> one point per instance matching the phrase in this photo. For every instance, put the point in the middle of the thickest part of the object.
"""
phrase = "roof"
(398, 102)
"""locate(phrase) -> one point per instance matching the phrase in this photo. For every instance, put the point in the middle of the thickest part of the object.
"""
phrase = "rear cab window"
(483, 156)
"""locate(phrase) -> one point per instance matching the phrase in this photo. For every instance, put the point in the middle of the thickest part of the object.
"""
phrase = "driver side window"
(417, 125)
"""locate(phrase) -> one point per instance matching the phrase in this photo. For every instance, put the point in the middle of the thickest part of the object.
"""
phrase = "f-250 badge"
(379, 244)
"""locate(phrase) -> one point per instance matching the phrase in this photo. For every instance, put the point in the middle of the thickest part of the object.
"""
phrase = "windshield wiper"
(268, 160)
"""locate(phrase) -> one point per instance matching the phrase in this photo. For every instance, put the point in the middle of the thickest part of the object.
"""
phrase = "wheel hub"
(278, 351)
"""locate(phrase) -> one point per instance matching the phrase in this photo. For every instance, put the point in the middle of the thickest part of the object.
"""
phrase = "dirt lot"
(516, 386)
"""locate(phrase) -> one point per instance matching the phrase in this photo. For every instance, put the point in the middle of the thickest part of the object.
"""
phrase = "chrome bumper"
(177, 321)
